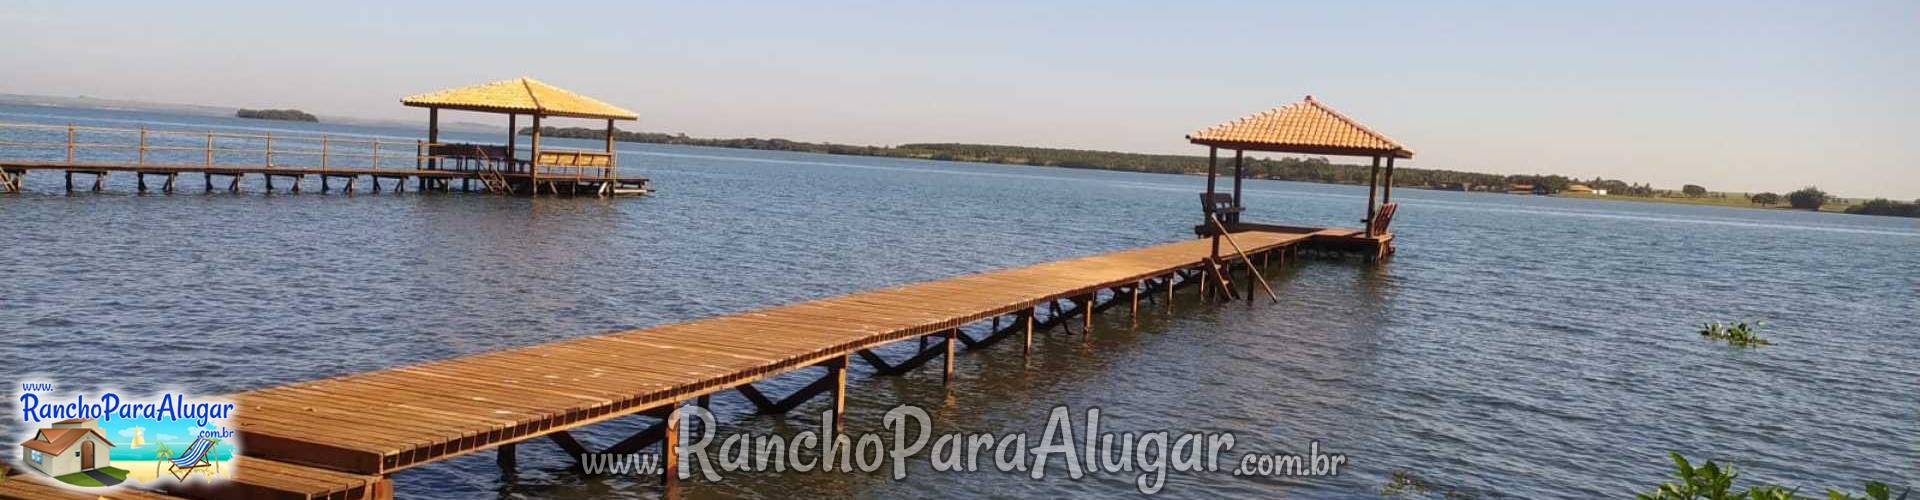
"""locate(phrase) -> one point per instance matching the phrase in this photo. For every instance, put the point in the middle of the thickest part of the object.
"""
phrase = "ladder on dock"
(490, 174)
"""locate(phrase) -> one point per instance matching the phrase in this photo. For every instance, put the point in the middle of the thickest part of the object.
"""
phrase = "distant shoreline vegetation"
(1291, 169)
(1318, 170)
(290, 115)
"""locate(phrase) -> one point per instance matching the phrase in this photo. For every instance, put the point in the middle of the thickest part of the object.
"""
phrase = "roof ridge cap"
(526, 83)
(1351, 122)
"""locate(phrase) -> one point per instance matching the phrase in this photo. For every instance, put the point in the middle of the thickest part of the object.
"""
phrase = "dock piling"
(951, 334)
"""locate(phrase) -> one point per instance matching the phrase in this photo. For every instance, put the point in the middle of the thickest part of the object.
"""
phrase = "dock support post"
(142, 176)
(207, 176)
(838, 370)
(1135, 313)
(670, 452)
(69, 181)
(1253, 278)
(950, 340)
(1086, 313)
(1204, 296)
(269, 182)
(1170, 277)
(506, 458)
(1029, 320)
(1373, 185)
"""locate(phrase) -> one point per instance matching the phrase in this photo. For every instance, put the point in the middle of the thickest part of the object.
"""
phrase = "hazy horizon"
(1731, 96)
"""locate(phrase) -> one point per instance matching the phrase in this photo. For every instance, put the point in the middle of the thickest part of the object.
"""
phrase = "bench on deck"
(1382, 219)
(579, 164)
(1222, 205)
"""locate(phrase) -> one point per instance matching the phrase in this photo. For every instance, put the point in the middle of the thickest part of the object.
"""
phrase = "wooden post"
(533, 158)
(1030, 314)
(1136, 302)
(376, 159)
(1086, 313)
(1386, 185)
(838, 370)
(508, 462)
(433, 134)
(1170, 277)
(209, 158)
(269, 157)
(670, 451)
(611, 158)
(324, 151)
(143, 148)
(69, 144)
(513, 134)
(1204, 279)
(952, 336)
(1373, 183)
(1239, 173)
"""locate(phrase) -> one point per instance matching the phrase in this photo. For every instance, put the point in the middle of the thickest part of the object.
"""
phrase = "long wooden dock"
(364, 427)
(223, 159)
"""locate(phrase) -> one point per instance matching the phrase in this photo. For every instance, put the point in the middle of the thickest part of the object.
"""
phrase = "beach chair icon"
(194, 458)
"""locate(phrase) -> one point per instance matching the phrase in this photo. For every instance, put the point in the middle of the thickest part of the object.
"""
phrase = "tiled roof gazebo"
(1305, 127)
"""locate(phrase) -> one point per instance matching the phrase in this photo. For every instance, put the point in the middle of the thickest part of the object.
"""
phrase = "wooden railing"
(80, 145)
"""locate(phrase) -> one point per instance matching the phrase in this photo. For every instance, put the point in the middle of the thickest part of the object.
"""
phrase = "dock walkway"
(371, 425)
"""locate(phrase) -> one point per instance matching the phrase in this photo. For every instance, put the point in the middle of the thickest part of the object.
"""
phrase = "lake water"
(1516, 346)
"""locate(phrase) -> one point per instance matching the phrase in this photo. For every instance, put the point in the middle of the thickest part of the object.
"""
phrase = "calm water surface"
(1516, 346)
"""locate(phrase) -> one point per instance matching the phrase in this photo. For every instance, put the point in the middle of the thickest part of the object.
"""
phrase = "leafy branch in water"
(1710, 481)
(1740, 334)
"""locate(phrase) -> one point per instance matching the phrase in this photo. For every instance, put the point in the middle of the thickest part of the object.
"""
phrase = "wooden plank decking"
(343, 437)
(383, 421)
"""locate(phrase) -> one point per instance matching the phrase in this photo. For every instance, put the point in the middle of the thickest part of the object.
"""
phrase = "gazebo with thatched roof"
(1305, 127)
(551, 168)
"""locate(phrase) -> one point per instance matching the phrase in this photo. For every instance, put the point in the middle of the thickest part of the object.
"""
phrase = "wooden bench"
(1220, 204)
(574, 159)
(1382, 219)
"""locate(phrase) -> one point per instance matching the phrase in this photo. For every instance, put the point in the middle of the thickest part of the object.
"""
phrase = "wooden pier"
(343, 437)
(95, 153)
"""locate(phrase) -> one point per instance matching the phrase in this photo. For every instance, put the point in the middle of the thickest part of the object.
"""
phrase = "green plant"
(1875, 491)
(1740, 334)
(1711, 481)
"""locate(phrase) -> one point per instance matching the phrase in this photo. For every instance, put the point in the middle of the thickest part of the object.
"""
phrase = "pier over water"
(344, 437)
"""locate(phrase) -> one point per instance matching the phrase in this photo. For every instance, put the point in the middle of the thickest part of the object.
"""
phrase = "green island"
(1318, 170)
(290, 115)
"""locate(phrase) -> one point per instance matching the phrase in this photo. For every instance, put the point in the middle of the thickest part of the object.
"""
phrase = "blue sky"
(1732, 95)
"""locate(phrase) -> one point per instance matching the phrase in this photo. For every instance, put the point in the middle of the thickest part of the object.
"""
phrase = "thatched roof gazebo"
(1305, 127)
(524, 96)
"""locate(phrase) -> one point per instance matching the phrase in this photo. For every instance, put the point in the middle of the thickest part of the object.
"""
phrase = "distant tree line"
(1292, 169)
(291, 115)
(1883, 206)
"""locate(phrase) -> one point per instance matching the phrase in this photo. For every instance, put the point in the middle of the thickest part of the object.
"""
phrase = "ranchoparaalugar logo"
(106, 440)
